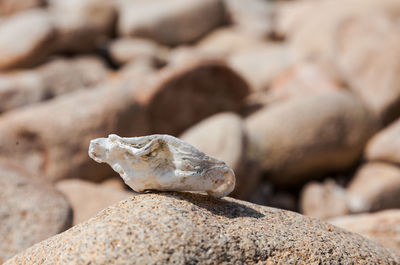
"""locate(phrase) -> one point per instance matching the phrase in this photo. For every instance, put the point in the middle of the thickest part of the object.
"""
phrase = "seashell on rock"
(163, 162)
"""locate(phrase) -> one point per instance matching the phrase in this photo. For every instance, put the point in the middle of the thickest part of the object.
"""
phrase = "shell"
(163, 162)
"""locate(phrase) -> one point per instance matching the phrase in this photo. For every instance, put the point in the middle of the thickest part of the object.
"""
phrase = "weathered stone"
(24, 45)
(382, 227)
(171, 23)
(31, 210)
(324, 200)
(82, 25)
(125, 50)
(385, 145)
(8, 7)
(183, 228)
(377, 186)
(188, 93)
(223, 136)
(88, 198)
(260, 65)
(303, 137)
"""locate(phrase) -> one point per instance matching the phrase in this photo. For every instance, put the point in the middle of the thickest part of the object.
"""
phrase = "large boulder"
(382, 227)
(31, 210)
(184, 228)
(170, 22)
(21, 44)
(307, 136)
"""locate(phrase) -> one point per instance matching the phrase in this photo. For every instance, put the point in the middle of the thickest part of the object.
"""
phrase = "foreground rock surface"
(30, 210)
(182, 228)
(383, 227)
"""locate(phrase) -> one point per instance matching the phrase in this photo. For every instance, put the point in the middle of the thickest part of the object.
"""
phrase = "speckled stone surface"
(183, 228)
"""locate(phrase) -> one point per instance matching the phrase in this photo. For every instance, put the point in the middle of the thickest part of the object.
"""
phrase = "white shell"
(163, 162)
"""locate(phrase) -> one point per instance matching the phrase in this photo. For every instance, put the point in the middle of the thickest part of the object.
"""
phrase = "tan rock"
(87, 198)
(31, 210)
(125, 50)
(385, 144)
(82, 25)
(382, 227)
(377, 186)
(171, 23)
(324, 200)
(260, 65)
(181, 228)
(223, 136)
(307, 136)
(34, 43)
(8, 7)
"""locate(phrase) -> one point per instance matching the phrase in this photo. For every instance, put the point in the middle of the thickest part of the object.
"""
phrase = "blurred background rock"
(301, 98)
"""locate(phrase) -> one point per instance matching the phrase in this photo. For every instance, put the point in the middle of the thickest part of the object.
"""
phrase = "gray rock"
(31, 210)
(183, 228)
(21, 44)
(170, 22)
(307, 136)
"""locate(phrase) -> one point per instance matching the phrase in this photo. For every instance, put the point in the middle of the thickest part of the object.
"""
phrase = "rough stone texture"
(171, 23)
(324, 200)
(8, 7)
(82, 25)
(31, 210)
(188, 93)
(382, 227)
(385, 145)
(24, 45)
(254, 16)
(223, 136)
(305, 136)
(184, 228)
(124, 50)
(377, 187)
(88, 198)
(260, 65)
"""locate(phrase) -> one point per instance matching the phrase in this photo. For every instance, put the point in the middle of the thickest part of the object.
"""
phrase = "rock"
(52, 79)
(83, 25)
(186, 94)
(260, 65)
(385, 144)
(18, 89)
(348, 40)
(170, 23)
(31, 210)
(225, 41)
(33, 43)
(8, 7)
(303, 79)
(306, 136)
(125, 50)
(227, 142)
(181, 228)
(382, 227)
(52, 138)
(324, 200)
(87, 198)
(377, 186)
(254, 16)
(62, 76)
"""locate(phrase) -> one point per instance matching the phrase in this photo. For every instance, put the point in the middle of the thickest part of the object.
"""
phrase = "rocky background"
(301, 98)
